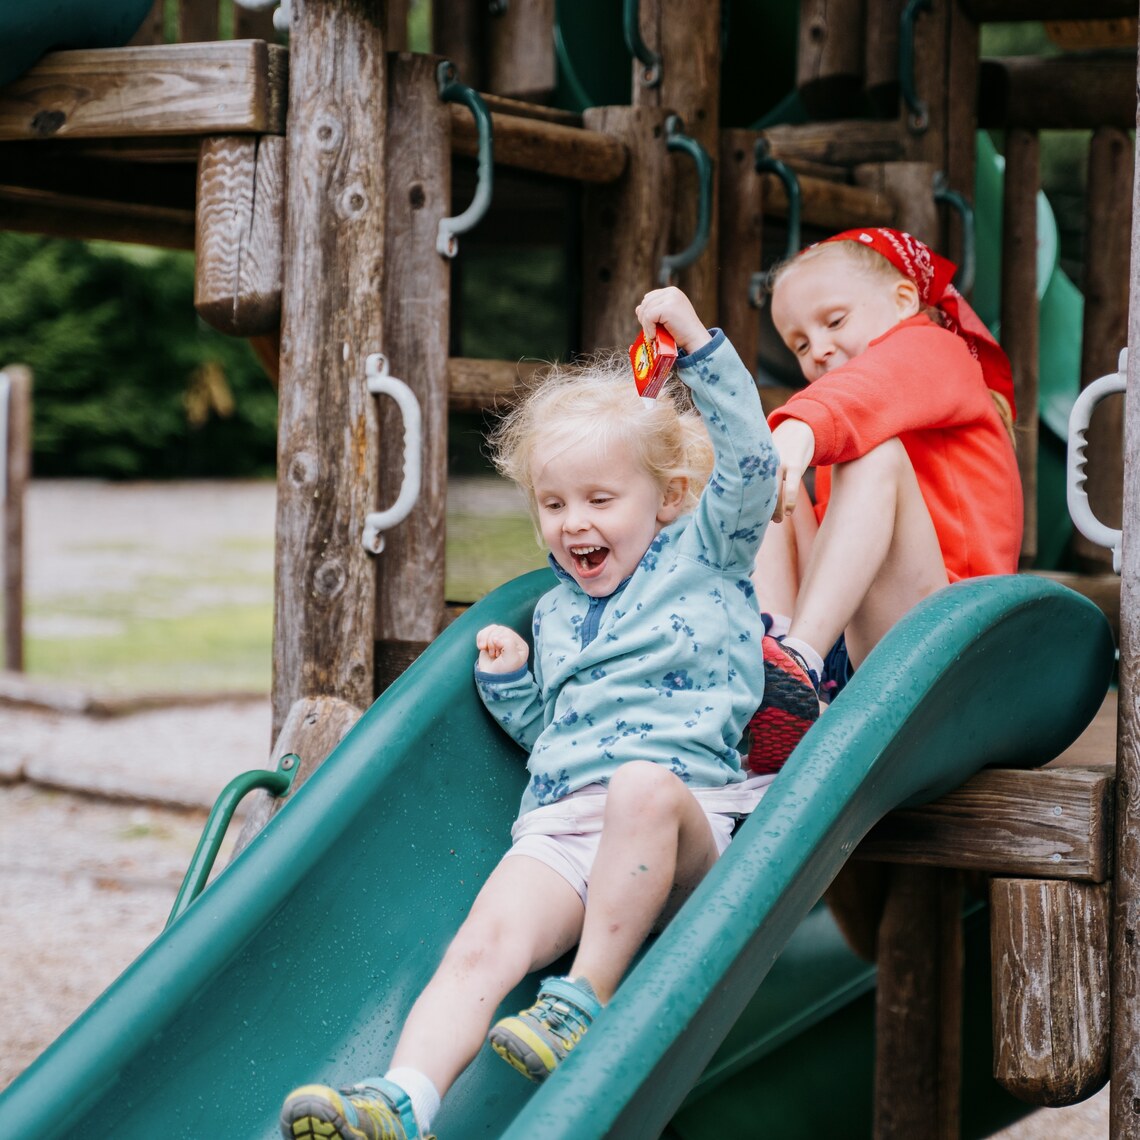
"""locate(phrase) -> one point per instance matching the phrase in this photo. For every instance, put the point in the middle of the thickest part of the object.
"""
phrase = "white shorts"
(565, 835)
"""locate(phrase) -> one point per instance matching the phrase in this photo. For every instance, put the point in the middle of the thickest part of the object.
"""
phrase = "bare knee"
(888, 461)
(645, 788)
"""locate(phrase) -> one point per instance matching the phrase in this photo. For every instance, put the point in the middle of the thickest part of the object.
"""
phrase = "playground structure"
(314, 205)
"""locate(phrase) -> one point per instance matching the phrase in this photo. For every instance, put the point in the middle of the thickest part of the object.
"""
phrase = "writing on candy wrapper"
(651, 360)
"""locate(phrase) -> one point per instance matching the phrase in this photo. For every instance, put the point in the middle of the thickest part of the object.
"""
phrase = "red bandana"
(933, 275)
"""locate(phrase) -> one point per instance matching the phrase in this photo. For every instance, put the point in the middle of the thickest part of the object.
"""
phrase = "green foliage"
(128, 383)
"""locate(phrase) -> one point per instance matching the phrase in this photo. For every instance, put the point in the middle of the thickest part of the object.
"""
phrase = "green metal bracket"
(964, 279)
(676, 139)
(919, 118)
(452, 91)
(650, 60)
(766, 164)
(276, 782)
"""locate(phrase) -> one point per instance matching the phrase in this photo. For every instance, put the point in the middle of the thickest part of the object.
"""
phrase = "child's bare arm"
(671, 308)
(795, 445)
(501, 650)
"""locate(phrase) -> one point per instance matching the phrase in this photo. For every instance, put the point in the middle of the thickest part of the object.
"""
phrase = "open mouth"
(588, 560)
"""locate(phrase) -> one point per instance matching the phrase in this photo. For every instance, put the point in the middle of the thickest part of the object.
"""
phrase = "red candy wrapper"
(652, 360)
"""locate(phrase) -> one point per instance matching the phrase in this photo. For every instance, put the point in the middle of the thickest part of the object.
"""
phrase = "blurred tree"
(129, 383)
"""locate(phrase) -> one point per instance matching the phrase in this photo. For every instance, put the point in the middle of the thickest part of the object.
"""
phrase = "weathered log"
(241, 199)
(313, 727)
(327, 453)
(1049, 960)
(740, 249)
(829, 64)
(16, 457)
(918, 1007)
(216, 88)
(1063, 93)
(416, 294)
(1019, 311)
(1046, 822)
(520, 54)
(623, 235)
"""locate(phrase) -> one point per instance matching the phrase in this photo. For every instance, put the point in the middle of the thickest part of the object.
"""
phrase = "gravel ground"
(99, 817)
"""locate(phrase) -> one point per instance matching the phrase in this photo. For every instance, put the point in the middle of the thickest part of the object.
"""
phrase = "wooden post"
(881, 54)
(623, 241)
(197, 21)
(829, 67)
(687, 38)
(521, 50)
(327, 456)
(918, 1007)
(1049, 962)
(1019, 313)
(739, 249)
(910, 185)
(457, 28)
(238, 233)
(410, 568)
(1125, 1096)
(16, 455)
(961, 111)
(1105, 329)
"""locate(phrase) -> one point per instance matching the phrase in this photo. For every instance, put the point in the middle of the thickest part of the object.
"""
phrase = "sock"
(780, 626)
(813, 659)
(421, 1092)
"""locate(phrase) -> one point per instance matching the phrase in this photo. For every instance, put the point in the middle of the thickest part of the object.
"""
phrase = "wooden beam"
(1061, 93)
(1050, 965)
(842, 143)
(546, 147)
(215, 88)
(69, 216)
(831, 205)
(1051, 823)
(1017, 11)
(487, 385)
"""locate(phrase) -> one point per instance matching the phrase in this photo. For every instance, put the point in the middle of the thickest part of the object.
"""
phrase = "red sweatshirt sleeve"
(916, 377)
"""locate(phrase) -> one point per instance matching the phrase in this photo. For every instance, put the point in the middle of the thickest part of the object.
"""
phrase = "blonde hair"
(597, 402)
(863, 256)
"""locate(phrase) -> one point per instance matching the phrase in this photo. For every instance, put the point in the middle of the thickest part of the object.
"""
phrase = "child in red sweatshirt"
(907, 419)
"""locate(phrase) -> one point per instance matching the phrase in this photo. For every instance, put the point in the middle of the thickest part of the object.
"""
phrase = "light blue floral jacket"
(668, 667)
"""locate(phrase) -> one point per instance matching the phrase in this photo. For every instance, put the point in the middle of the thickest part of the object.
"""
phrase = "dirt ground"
(88, 877)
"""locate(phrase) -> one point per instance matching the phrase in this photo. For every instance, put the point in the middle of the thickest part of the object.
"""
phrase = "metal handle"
(964, 279)
(650, 60)
(676, 139)
(276, 783)
(381, 384)
(919, 118)
(1079, 419)
(765, 164)
(452, 91)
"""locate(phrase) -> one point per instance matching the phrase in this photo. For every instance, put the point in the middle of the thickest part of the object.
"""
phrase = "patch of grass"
(485, 551)
(209, 628)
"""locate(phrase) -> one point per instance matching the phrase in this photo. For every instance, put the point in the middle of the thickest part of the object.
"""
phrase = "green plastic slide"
(299, 962)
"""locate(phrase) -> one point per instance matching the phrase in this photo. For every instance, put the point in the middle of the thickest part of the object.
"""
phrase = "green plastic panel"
(28, 29)
(299, 962)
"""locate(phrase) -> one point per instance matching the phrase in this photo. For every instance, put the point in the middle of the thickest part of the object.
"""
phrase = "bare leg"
(656, 847)
(875, 557)
(781, 558)
(524, 918)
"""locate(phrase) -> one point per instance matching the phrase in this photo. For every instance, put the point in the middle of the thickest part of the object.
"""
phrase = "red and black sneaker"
(790, 707)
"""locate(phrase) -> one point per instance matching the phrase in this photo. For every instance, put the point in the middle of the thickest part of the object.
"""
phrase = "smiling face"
(598, 511)
(828, 307)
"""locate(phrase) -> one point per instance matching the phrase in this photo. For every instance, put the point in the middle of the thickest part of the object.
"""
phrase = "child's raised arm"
(671, 308)
(501, 650)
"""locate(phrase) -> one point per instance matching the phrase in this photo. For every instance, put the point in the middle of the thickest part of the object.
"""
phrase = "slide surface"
(299, 962)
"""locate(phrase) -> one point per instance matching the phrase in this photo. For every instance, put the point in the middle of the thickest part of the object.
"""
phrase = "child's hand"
(795, 444)
(671, 308)
(501, 650)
